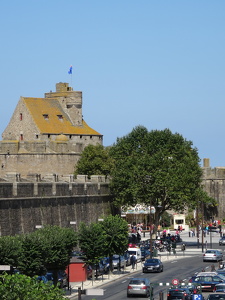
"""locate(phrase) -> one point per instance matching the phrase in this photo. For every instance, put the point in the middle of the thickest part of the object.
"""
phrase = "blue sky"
(157, 63)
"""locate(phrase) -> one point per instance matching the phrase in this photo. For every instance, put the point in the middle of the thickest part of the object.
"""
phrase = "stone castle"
(46, 135)
(40, 148)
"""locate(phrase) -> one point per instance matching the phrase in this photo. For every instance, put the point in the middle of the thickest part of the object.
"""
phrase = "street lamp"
(152, 211)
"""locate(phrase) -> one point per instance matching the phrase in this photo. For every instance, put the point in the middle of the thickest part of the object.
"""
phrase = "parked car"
(213, 254)
(127, 258)
(152, 265)
(136, 252)
(208, 280)
(63, 279)
(145, 254)
(221, 272)
(105, 262)
(97, 268)
(118, 260)
(139, 286)
(179, 294)
(216, 296)
(219, 288)
(222, 240)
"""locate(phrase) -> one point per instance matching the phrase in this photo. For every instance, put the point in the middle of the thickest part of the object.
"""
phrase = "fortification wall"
(43, 163)
(214, 185)
(24, 206)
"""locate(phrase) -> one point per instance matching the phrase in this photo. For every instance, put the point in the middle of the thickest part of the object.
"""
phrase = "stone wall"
(26, 205)
(43, 163)
(214, 185)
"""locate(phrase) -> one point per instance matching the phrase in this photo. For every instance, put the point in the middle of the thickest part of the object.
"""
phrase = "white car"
(212, 254)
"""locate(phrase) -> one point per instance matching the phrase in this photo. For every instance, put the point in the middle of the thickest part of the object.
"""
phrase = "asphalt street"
(181, 259)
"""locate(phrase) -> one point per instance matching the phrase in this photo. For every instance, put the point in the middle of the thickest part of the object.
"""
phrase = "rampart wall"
(26, 205)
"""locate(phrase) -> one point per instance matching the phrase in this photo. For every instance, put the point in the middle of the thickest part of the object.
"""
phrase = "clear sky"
(160, 64)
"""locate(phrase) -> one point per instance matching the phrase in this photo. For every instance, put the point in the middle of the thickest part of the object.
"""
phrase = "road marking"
(124, 281)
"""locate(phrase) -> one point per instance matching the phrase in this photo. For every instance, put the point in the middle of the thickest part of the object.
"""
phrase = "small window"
(46, 117)
(36, 136)
(21, 116)
(90, 136)
(21, 137)
(60, 117)
(49, 136)
(80, 136)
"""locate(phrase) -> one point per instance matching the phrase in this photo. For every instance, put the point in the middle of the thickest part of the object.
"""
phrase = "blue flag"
(70, 70)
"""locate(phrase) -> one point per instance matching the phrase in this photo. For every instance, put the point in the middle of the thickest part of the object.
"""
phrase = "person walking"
(133, 261)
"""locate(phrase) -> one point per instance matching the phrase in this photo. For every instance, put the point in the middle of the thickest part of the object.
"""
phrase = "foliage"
(116, 230)
(94, 160)
(165, 220)
(92, 241)
(22, 287)
(48, 248)
(155, 168)
(103, 239)
(10, 247)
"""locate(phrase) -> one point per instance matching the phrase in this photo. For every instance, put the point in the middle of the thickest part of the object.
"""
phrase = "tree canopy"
(158, 168)
(46, 249)
(94, 160)
(22, 287)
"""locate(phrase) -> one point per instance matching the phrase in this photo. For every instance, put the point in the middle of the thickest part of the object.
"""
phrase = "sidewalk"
(191, 249)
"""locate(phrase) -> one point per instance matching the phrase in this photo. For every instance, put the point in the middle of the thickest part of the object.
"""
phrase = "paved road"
(179, 261)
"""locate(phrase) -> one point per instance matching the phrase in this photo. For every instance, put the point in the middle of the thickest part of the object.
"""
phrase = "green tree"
(10, 248)
(22, 287)
(155, 168)
(92, 241)
(116, 230)
(94, 160)
(48, 248)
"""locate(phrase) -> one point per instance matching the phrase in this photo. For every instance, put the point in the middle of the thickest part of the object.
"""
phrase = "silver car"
(213, 254)
(119, 260)
(139, 286)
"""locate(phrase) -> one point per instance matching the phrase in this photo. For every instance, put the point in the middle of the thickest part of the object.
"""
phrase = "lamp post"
(197, 223)
(152, 211)
(202, 227)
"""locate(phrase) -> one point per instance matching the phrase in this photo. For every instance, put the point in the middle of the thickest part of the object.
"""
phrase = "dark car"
(216, 296)
(219, 288)
(145, 254)
(208, 280)
(152, 265)
(179, 294)
(139, 286)
(222, 240)
(62, 278)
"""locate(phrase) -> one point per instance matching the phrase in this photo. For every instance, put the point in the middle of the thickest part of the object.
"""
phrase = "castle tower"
(71, 102)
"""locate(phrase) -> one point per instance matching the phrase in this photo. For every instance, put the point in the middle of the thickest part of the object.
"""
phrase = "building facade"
(46, 135)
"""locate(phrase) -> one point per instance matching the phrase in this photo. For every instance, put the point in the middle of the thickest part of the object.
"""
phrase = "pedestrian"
(133, 261)
(213, 269)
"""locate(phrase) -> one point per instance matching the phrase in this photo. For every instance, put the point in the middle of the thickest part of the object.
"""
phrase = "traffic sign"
(175, 281)
(197, 297)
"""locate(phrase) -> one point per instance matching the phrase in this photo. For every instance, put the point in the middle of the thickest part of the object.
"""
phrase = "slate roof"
(38, 107)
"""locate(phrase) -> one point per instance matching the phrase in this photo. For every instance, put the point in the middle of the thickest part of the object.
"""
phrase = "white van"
(136, 252)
